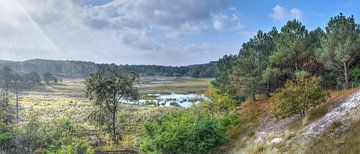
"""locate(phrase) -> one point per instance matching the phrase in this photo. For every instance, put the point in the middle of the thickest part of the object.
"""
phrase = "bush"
(183, 132)
(218, 102)
(59, 136)
(297, 97)
(355, 75)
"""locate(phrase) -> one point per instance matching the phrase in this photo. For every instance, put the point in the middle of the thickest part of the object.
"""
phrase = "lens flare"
(23, 38)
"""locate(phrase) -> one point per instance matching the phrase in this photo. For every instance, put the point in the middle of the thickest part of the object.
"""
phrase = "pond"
(170, 100)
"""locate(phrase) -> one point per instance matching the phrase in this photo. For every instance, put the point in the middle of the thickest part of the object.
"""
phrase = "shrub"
(59, 136)
(183, 132)
(297, 97)
(218, 102)
(355, 75)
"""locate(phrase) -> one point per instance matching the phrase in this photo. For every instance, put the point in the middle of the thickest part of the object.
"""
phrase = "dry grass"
(318, 112)
(337, 141)
(245, 143)
(67, 99)
(244, 131)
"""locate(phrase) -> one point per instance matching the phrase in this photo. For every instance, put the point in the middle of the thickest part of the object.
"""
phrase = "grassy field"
(67, 99)
(167, 85)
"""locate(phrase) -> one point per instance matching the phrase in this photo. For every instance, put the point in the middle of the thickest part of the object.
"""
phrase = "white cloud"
(121, 31)
(221, 22)
(280, 13)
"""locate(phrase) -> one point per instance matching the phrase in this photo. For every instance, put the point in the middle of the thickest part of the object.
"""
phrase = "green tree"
(292, 52)
(108, 89)
(31, 79)
(297, 97)
(340, 45)
(223, 75)
(7, 80)
(48, 78)
(253, 60)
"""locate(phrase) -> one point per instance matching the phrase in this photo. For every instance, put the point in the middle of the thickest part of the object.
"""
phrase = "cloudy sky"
(166, 32)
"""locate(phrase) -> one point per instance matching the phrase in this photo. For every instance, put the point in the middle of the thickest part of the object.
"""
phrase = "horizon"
(138, 32)
(38, 59)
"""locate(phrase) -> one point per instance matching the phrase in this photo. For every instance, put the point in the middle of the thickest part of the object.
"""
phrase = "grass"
(244, 131)
(336, 140)
(167, 85)
(247, 143)
(67, 99)
(320, 111)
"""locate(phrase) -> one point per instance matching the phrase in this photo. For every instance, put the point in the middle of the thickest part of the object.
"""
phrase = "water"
(182, 100)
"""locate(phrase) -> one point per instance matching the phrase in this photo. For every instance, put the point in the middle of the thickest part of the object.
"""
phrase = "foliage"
(81, 68)
(5, 134)
(31, 79)
(183, 132)
(49, 137)
(268, 60)
(223, 75)
(108, 89)
(330, 79)
(355, 75)
(297, 97)
(8, 80)
(340, 45)
(218, 102)
(48, 78)
(252, 61)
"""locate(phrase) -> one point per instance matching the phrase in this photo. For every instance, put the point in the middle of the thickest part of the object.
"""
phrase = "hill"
(333, 126)
(81, 68)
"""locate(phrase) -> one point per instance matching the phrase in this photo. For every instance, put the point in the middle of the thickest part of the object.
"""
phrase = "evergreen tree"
(340, 45)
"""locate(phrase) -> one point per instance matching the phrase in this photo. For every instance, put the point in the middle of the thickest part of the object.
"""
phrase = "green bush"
(297, 97)
(184, 132)
(355, 75)
(59, 136)
(330, 79)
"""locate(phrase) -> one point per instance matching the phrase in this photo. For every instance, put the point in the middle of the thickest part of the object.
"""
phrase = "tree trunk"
(253, 91)
(302, 113)
(115, 139)
(6, 96)
(268, 89)
(17, 101)
(346, 86)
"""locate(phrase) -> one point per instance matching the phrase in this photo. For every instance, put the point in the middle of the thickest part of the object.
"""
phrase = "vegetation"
(267, 61)
(218, 102)
(49, 78)
(82, 69)
(108, 89)
(337, 139)
(183, 132)
(298, 97)
(292, 68)
(339, 47)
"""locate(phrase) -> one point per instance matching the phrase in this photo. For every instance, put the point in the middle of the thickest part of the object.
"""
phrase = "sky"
(162, 32)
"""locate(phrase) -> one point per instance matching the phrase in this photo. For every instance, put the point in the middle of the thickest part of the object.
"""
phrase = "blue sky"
(164, 32)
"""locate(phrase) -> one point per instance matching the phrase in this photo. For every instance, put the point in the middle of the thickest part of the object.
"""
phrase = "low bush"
(185, 132)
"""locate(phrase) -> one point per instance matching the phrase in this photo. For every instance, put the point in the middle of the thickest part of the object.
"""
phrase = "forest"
(291, 71)
(80, 68)
(269, 59)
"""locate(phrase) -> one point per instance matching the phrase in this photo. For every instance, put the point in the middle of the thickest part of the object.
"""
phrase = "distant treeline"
(81, 68)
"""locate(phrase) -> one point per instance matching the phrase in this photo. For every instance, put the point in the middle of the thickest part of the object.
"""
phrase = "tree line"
(80, 68)
(270, 59)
